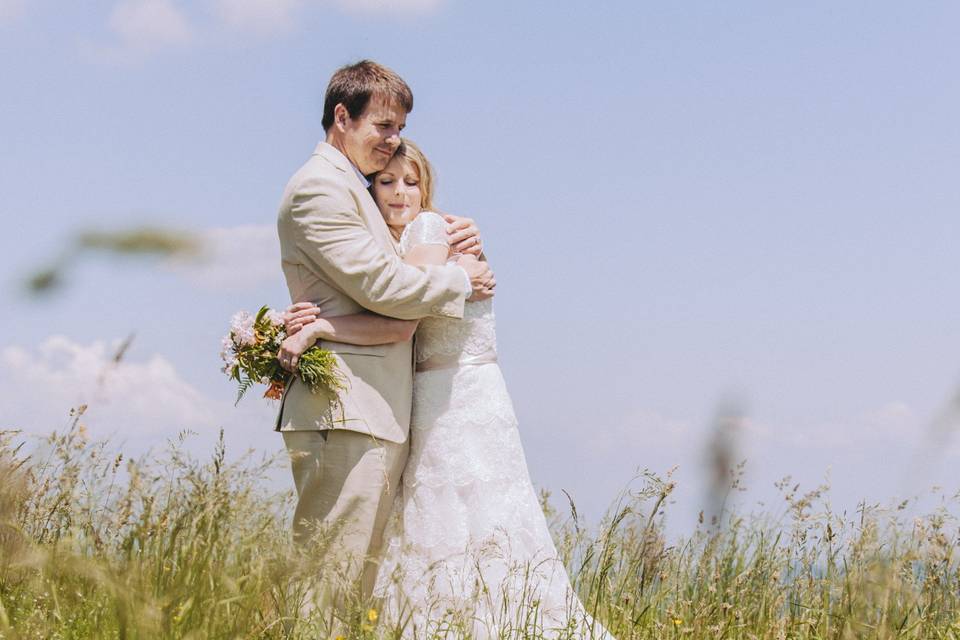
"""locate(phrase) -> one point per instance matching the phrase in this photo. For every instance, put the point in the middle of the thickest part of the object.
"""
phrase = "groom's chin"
(370, 167)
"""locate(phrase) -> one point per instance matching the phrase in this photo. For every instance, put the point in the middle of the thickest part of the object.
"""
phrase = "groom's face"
(371, 139)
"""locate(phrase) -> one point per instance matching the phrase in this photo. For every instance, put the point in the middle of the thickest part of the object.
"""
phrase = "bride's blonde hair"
(412, 154)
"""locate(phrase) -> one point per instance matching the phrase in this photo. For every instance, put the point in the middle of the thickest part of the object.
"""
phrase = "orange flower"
(274, 391)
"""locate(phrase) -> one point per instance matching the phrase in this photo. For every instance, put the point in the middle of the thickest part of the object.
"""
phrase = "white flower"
(241, 320)
(226, 348)
(275, 318)
(246, 337)
(241, 328)
(229, 362)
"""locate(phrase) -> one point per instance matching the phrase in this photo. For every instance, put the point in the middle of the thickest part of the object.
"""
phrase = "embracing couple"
(415, 474)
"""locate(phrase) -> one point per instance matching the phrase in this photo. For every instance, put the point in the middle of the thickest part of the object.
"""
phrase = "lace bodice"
(471, 337)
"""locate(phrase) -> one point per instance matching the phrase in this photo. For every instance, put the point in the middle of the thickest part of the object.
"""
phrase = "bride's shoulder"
(428, 222)
(429, 218)
(428, 227)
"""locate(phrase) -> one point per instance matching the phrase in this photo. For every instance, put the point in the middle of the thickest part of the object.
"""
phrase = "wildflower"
(241, 328)
(246, 337)
(229, 362)
(275, 318)
(677, 622)
(372, 615)
(226, 347)
(275, 392)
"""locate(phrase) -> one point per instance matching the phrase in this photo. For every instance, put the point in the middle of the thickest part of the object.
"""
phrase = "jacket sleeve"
(332, 238)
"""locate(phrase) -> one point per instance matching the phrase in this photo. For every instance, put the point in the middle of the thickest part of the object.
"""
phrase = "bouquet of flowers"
(250, 350)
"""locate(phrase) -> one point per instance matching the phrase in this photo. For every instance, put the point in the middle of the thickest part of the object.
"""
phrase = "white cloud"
(648, 428)
(10, 9)
(145, 27)
(142, 28)
(390, 6)
(150, 24)
(137, 405)
(269, 17)
(235, 258)
(893, 423)
(869, 440)
(259, 16)
(135, 399)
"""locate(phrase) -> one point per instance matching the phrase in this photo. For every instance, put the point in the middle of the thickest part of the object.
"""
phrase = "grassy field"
(96, 546)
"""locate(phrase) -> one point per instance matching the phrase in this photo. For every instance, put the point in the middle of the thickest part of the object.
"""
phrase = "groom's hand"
(481, 277)
(463, 235)
(298, 315)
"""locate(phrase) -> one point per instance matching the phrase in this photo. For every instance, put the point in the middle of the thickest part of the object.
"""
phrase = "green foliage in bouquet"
(318, 369)
(250, 357)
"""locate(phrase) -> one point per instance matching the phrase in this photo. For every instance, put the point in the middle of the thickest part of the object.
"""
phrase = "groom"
(337, 253)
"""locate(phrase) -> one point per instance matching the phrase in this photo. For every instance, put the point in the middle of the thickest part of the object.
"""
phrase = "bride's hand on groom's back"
(299, 315)
(481, 277)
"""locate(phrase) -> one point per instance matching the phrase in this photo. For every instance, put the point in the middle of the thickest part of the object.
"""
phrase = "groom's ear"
(340, 116)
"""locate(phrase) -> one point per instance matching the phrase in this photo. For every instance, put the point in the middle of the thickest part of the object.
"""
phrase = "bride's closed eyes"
(396, 190)
(388, 180)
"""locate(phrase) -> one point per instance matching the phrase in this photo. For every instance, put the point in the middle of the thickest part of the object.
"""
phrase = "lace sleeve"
(427, 228)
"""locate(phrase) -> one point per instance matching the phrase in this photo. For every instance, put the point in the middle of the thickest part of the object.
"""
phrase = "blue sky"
(683, 202)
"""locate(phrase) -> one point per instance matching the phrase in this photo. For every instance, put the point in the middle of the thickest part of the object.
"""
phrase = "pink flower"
(275, 318)
(241, 328)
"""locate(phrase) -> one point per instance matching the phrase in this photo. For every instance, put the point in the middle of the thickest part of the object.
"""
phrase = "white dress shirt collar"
(363, 178)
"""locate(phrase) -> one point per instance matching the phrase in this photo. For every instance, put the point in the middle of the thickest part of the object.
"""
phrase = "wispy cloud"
(893, 423)
(11, 9)
(389, 6)
(271, 17)
(39, 385)
(142, 28)
(265, 17)
(137, 403)
(891, 430)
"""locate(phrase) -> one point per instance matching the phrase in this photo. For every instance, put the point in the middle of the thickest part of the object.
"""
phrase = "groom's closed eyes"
(389, 124)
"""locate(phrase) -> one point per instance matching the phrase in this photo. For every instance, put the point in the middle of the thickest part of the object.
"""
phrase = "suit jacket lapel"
(368, 208)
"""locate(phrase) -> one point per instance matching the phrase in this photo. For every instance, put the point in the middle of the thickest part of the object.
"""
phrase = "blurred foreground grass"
(169, 546)
(157, 242)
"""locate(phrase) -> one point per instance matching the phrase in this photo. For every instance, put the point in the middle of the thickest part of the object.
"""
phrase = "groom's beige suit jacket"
(338, 253)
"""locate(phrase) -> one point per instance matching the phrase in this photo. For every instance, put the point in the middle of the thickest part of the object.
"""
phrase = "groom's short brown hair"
(354, 85)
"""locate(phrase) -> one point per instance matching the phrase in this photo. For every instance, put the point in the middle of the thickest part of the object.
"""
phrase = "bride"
(468, 546)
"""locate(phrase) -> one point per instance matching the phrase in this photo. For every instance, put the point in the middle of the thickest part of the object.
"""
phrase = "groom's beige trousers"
(351, 480)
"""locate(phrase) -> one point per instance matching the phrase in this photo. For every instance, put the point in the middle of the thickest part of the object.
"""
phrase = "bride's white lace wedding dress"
(469, 551)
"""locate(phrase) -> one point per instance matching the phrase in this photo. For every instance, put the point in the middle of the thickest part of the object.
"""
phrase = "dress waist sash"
(457, 360)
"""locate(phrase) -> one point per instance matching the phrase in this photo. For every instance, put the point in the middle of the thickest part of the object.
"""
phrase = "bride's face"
(396, 190)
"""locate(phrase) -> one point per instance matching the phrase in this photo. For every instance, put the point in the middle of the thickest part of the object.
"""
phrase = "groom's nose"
(393, 139)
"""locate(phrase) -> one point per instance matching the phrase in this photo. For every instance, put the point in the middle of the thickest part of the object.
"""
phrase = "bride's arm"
(422, 255)
(364, 328)
(305, 325)
(360, 328)
(357, 328)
